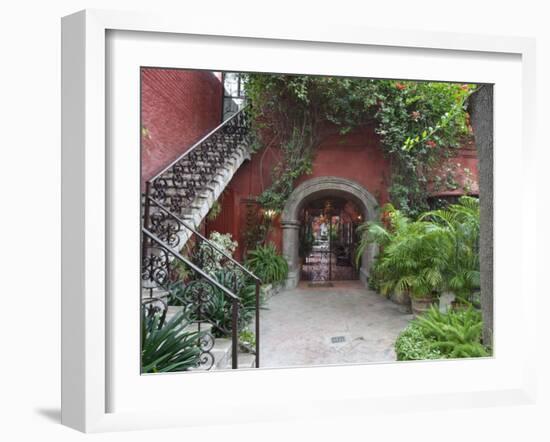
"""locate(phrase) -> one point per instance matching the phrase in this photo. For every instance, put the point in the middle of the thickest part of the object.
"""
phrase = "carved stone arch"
(328, 186)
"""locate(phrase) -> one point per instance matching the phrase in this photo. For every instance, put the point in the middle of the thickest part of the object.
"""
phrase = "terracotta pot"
(401, 298)
(459, 306)
(421, 305)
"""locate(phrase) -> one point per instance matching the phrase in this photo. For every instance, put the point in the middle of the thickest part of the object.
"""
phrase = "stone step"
(222, 353)
(154, 293)
(246, 360)
(202, 198)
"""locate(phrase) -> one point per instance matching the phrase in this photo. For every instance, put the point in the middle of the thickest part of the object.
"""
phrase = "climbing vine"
(419, 123)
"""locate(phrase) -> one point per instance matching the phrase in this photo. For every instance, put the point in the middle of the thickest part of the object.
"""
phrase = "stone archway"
(316, 188)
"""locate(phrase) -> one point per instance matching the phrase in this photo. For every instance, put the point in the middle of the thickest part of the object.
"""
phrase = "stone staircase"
(189, 187)
(175, 203)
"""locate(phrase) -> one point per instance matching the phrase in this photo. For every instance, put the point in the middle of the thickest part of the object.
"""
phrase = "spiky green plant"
(219, 308)
(168, 346)
(267, 264)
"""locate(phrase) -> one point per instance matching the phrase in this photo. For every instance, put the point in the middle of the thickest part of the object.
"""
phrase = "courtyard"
(358, 195)
(343, 324)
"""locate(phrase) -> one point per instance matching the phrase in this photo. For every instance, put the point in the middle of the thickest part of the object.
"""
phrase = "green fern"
(455, 334)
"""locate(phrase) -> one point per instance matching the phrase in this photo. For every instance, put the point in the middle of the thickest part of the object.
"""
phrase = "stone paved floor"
(298, 326)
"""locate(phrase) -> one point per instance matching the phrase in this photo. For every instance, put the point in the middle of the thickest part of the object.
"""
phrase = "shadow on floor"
(51, 414)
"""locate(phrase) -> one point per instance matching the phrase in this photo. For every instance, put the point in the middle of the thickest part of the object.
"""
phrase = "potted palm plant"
(413, 258)
(461, 222)
(415, 263)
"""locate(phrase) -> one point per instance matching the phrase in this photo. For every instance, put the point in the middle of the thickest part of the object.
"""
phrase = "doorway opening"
(328, 240)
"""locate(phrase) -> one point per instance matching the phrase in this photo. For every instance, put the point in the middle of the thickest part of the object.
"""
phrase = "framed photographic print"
(290, 223)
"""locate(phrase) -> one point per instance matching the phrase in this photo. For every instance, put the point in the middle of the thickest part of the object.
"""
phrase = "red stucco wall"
(356, 156)
(178, 107)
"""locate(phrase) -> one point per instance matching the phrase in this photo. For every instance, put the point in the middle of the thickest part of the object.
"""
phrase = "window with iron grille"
(233, 94)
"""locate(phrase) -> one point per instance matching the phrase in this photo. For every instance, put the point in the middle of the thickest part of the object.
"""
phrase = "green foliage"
(306, 240)
(413, 256)
(418, 124)
(215, 211)
(218, 310)
(412, 345)
(442, 335)
(247, 339)
(258, 226)
(297, 161)
(461, 223)
(248, 304)
(167, 346)
(437, 252)
(210, 259)
(267, 264)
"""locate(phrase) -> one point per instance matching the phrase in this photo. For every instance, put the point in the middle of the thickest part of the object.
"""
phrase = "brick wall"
(178, 107)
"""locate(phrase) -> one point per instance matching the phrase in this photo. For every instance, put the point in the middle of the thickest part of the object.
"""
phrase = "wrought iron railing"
(181, 182)
(196, 292)
(178, 262)
(206, 255)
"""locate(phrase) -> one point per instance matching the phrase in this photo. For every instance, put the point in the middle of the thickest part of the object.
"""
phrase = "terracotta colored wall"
(178, 107)
(464, 168)
(355, 156)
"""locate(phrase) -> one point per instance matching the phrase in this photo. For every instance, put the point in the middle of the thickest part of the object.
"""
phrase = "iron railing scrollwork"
(179, 264)
(204, 254)
(178, 184)
(159, 265)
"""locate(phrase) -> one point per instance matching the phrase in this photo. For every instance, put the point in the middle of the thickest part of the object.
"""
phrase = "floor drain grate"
(338, 339)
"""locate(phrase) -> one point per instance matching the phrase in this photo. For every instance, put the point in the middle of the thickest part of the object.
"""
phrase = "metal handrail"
(202, 237)
(189, 263)
(197, 144)
(235, 299)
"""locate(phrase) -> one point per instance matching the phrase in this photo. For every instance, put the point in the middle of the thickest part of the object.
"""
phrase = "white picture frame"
(86, 235)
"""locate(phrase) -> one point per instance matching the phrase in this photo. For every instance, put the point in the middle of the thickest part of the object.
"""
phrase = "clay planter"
(401, 298)
(421, 305)
(458, 306)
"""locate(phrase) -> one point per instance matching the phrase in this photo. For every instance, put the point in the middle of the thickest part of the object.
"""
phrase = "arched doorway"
(328, 239)
(306, 195)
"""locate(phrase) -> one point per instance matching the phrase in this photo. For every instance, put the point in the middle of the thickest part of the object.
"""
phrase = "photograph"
(296, 220)
(286, 222)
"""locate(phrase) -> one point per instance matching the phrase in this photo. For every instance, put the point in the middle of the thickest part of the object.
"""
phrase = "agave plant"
(168, 346)
(267, 264)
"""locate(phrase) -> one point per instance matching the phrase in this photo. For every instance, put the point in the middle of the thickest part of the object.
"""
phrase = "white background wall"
(30, 220)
